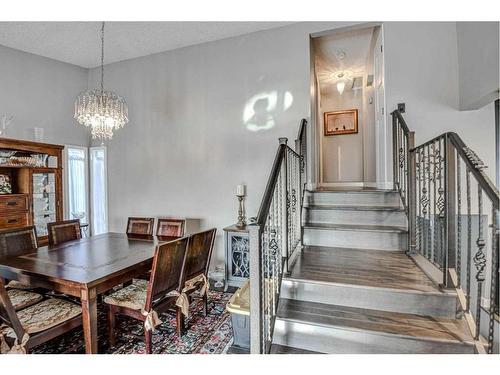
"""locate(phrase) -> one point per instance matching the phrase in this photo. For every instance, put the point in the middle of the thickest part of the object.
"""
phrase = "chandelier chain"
(102, 57)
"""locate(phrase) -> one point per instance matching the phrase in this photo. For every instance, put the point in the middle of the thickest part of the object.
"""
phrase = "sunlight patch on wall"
(260, 110)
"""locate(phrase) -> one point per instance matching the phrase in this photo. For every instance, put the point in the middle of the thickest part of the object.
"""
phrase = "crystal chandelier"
(103, 111)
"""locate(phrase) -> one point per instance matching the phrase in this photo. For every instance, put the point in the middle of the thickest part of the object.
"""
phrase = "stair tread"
(357, 227)
(359, 207)
(283, 349)
(389, 323)
(387, 269)
(351, 189)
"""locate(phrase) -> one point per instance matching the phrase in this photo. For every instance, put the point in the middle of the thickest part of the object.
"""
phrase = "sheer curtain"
(77, 184)
(98, 170)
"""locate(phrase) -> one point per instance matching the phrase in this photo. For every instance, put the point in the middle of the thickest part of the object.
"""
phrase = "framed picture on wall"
(341, 122)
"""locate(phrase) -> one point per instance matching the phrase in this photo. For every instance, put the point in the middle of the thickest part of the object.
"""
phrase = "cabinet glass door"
(44, 201)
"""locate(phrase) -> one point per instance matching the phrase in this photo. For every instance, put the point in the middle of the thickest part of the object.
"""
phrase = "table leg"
(89, 317)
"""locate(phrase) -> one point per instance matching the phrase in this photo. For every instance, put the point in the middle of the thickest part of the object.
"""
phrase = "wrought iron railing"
(275, 238)
(460, 239)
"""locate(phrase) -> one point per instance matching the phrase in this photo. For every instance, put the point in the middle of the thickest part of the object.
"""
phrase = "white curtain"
(77, 184)
(99, 191)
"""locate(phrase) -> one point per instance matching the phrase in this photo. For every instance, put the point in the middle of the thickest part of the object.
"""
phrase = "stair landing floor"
(409, 325)
(382, 269)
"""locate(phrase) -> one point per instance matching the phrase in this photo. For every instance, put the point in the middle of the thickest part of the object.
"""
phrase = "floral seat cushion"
(13, 284)
(23, 298)
(46, 314)
(132, 296)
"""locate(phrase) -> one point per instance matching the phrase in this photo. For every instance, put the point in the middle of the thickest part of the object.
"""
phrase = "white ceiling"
(354, 45)
(78, 43)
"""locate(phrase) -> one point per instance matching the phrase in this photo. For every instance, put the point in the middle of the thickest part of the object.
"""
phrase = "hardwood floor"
(282, 349)
(417, 326)
(384, 269)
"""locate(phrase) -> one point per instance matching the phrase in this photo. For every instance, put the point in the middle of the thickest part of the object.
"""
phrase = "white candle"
(240, 191)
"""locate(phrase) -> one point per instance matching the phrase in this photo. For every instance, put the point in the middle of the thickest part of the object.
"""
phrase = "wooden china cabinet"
(31, 185)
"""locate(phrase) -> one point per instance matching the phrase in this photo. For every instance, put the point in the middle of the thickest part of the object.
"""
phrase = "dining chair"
(15, 242)
(144, 300)
(24, 329)
(198, 257)
(140, 225)
(170, 227)
(63, 231)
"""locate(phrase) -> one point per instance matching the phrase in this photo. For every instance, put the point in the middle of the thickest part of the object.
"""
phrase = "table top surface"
(87, 260)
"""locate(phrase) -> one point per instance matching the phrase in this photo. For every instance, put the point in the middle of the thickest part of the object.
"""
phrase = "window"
(99, 190)
(76, 184)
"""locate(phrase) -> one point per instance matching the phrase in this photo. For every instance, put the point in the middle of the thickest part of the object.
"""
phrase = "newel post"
(284, 206)
(395, 150)
(412, 195)
(255, 262)
(450, 224)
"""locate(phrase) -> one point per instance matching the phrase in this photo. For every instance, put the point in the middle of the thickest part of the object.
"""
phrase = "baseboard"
(376, 185)
(341, 184)
(380, 185)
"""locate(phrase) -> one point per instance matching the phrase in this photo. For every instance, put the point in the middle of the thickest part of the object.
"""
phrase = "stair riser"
(371, 298)
(343, 341)
(337, 216)
(350, 198)
(356, 239)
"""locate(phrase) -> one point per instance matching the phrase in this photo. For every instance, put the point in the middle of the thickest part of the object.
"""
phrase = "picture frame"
(341, 122)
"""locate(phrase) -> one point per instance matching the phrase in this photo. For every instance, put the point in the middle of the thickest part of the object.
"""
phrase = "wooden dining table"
(84, 269)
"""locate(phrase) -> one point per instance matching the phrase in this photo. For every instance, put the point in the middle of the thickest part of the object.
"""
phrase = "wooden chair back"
(140, 225)
(167, 270)
(63, 231)
(170, 227)
(199, 253)
(8, 313)
(14, 242)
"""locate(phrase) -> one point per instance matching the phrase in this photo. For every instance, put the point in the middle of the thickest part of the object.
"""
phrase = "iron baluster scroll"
(459, 240)
(276, 238)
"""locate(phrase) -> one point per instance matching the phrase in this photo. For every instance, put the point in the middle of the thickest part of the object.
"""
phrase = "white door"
(380, 111)
(99, 189)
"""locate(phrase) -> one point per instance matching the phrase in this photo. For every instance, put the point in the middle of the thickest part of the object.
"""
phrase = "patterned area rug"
(204, 335)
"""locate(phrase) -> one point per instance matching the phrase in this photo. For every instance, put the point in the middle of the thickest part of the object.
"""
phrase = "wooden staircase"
(354, 290)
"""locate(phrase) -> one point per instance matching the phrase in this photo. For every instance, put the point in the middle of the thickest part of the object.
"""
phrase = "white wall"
(349, 167)
(40, 92)
(421, 69)
(186, 146)
(478, 44)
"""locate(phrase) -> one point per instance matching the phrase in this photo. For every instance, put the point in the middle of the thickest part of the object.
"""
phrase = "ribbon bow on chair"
(151, 321)
(17, 348)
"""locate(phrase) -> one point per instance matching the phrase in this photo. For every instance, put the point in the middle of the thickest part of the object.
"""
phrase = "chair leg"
(111, 326)
(180, 322)
(148, 335)
(205, 304)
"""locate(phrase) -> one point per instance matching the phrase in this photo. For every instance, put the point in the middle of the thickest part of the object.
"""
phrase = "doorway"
(349, 107)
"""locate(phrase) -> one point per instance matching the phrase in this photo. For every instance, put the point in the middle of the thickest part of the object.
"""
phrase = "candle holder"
(241, 211)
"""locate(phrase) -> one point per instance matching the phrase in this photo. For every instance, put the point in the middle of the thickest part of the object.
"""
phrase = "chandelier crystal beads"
(103, 111)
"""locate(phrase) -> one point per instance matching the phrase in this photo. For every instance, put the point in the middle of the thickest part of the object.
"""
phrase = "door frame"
(315, 162)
